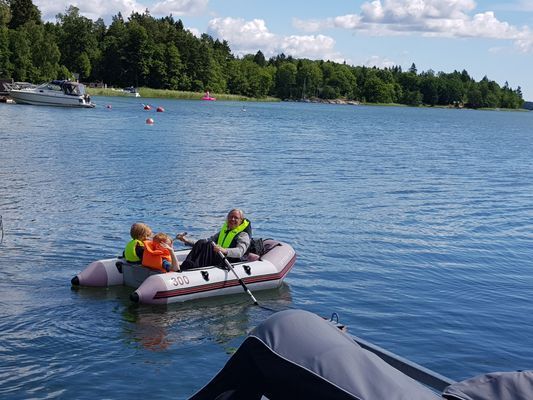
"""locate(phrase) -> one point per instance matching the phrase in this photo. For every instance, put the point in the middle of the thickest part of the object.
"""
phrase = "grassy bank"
(174, 94)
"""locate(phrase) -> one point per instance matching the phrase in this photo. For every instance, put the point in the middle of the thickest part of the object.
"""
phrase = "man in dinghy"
(233, 241)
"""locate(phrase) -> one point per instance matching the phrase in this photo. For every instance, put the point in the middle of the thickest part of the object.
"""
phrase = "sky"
(492, 38)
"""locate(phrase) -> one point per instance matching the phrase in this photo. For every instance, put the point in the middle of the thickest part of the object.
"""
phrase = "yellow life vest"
(129, 252)
(225, 237)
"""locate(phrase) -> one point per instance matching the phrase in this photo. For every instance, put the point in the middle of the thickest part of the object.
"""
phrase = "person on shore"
(233, 241)
(159, 254)
(139, 232)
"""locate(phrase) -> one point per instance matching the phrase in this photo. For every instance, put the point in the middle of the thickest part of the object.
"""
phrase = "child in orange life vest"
(139, 232)
(159, 254)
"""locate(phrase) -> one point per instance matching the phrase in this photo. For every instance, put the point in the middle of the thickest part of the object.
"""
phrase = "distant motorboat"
(59, 93)
(131, 91)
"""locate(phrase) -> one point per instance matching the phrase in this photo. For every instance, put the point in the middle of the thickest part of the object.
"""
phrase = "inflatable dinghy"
(295, 354)
(258, 273)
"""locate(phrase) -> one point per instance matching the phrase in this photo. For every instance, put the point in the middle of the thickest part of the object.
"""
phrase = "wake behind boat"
(258, 273)
(60, 93)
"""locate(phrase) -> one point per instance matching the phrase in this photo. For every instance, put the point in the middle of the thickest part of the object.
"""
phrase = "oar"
(237, 276)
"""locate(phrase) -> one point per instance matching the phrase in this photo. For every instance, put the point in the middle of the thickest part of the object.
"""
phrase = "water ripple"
(414, 225)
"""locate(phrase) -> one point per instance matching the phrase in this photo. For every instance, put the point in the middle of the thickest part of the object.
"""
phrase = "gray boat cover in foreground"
(493, 386)
(298, 355)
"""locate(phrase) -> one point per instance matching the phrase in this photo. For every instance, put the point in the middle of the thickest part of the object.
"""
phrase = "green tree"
(113, 61)
(308, 78)
(5, 54)
(44, 51)
(473, 95)
(83, 64)
(251, 80)
(5, 13)
(259, 59)
(5, 17)
(136, 54)
(429, 87)
(285, 80)
(490, 93)
(237, 81)
(23, 11)
(410, 84)
(222, 55)
(377, 91)
(157, 77)
(77, 41)
(19, 48)
(451, 89)
(174, 67)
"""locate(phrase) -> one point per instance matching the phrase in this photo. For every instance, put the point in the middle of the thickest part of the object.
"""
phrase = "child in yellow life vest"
(139, 232)
(159, 254)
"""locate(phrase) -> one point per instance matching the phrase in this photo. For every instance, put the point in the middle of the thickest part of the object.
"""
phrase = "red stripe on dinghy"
(165, 294)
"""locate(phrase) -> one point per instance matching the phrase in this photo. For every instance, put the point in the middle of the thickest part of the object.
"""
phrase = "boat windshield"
(51, 86)
(74, 88)
(70, 88)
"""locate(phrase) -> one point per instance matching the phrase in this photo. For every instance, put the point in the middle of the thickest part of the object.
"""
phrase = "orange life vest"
(154, 255)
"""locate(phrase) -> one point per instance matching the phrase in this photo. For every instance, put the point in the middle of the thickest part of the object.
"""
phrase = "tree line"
(159, 53)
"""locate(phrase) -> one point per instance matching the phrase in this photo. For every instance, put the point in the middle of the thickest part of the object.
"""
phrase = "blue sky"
(492, 37)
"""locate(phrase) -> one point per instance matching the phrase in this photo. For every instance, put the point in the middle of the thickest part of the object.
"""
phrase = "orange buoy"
(147, 107)
(160, 109)
(149, 121)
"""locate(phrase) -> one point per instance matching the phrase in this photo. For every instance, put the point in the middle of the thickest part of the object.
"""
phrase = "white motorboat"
(131, 91)
(60, 93)
(151, 287)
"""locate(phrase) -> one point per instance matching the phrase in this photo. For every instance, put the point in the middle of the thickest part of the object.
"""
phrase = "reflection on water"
(216, 319)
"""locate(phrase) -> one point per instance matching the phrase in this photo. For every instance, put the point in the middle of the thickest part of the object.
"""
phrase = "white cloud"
(525, 45)
(350, 21)
(91, 9)
(247, 37)
(179, 7)
(413, 11)
(443, 18)
(244, 36)
(312, 47)
(195, 32)
(377, 61)
(311, 25)
(95, 9)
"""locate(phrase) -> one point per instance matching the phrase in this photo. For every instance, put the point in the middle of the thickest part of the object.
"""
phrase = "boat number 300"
(180, 281)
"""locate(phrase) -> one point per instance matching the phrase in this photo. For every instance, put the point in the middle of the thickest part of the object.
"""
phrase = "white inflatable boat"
(258, 273)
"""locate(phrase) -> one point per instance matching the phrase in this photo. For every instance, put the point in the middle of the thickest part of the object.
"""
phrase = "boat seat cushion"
(496, 385)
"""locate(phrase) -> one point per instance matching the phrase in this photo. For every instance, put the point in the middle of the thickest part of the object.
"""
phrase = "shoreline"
(149, 93)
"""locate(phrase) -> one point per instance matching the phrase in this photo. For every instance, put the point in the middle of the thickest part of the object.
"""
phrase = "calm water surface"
(414, 225)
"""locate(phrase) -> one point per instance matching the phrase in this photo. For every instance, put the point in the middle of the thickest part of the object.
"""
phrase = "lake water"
(414, 225)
